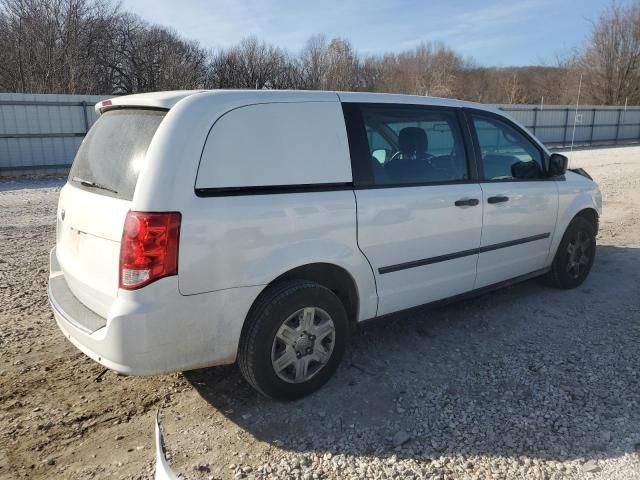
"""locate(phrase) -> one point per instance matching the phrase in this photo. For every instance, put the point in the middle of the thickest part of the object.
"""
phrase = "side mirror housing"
(557, 165)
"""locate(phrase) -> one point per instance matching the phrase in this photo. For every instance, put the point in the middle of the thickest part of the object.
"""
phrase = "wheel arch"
(329, 275)
(567, 273)
(588, 211)
(591, 215)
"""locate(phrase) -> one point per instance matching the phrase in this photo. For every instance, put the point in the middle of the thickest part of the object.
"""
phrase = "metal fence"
(40, 134)
(564, 125)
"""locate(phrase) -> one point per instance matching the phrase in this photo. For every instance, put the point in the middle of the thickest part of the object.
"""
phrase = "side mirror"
(557, 165)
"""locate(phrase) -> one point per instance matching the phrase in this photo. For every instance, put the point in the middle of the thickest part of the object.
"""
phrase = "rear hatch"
(95, 201)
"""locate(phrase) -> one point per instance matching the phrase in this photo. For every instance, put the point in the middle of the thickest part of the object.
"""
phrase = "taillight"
(149, 248)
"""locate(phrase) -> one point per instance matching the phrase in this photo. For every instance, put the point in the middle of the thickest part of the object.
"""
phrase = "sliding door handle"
(498, 199)
(467, 202)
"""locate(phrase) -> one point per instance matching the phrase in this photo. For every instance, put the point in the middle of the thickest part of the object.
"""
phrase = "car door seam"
(375, 281)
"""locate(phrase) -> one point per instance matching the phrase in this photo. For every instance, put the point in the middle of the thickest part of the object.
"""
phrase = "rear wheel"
(293, 340)
(575, 255)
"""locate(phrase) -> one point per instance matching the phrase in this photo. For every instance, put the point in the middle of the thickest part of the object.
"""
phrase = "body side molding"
(464, 253)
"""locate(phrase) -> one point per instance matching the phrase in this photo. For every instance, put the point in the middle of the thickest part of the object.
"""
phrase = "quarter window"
(414, 145)
(506, 153)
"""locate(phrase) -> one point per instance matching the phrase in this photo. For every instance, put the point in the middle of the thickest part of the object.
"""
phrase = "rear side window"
(113, 152)
(414, 145)
(506, 153)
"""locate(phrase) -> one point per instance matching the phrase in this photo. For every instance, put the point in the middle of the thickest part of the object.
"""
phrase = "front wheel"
(575, 255)
(293, 340)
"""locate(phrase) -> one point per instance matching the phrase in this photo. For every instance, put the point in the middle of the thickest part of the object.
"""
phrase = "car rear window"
(113, 152)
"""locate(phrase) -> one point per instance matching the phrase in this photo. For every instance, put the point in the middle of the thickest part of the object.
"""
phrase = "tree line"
(95, 47)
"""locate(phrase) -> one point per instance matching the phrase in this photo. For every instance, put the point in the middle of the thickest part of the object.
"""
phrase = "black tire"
(566, 272)
(267, 315)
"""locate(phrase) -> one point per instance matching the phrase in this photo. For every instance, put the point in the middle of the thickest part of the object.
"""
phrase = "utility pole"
(624, 112)
(573, 135)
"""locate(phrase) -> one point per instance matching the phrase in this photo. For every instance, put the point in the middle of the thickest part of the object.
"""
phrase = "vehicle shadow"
(527, 370)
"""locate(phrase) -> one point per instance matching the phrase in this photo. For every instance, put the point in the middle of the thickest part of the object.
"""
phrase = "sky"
(493, 32)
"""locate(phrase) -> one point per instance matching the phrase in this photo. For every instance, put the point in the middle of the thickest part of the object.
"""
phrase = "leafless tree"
(313, 63)
(342, 66)
(51, 45)
(611, 59)
(145, 57)
(93, 46)
(251, 64)
(89, 46)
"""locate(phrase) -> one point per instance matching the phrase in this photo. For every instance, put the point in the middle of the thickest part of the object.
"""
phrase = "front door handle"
(467, 202)
(498, 199)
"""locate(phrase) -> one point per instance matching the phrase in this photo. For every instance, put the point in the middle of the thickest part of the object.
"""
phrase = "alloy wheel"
(578, 254)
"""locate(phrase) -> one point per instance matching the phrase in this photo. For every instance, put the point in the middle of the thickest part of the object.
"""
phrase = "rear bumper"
(66, 305)
(91, 345)
(155, 329)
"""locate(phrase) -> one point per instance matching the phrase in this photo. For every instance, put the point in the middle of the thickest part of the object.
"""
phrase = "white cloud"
(482, 27)
(374, 26)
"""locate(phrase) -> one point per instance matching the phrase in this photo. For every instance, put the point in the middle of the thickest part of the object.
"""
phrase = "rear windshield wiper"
(89, 183)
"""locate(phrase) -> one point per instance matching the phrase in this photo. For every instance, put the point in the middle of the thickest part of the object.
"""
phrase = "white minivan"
(200, 228)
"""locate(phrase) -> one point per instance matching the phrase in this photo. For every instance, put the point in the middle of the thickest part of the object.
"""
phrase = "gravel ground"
(526, 382)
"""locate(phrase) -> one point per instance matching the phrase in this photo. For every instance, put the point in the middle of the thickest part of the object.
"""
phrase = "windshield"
(113, 152)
